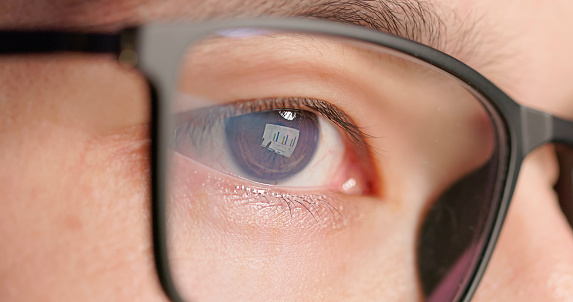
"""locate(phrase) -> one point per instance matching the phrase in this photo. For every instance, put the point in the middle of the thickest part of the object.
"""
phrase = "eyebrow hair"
(467, 37)
(416, 20)
(426, 22)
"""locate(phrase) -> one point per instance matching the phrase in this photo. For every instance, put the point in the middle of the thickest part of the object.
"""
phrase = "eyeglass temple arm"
(38, 42)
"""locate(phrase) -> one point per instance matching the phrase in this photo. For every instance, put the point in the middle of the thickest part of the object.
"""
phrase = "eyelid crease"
(204, 118)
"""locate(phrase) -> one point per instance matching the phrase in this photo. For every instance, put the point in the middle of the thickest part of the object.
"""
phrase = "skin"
(74, 216)
(328, 255)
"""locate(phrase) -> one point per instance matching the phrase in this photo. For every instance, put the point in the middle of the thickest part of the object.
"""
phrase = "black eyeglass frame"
(144, 48)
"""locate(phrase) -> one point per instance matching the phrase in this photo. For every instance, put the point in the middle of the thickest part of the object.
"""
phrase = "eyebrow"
(466, 37)
(428, 23)
(416, 20)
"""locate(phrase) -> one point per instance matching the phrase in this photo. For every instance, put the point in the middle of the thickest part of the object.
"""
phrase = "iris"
(273, 145)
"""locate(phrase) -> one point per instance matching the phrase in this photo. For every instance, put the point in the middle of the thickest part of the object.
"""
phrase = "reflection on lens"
(314, 168)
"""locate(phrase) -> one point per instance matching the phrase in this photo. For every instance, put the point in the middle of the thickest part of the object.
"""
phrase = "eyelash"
(273, 204)
(205, 119)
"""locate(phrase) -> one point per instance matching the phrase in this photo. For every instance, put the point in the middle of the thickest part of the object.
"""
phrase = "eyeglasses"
(292, 154)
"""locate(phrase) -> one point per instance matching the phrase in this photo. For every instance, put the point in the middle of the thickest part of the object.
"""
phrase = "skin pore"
(74, 213)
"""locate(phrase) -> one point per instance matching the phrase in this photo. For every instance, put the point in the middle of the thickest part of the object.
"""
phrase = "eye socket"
(271, 146)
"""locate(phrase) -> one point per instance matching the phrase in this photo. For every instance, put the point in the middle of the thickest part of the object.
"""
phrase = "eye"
(290, 144)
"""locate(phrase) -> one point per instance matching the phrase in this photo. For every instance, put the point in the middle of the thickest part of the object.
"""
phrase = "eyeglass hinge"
(537, 128)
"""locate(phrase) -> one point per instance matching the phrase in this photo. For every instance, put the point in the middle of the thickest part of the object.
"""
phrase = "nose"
(533, 260)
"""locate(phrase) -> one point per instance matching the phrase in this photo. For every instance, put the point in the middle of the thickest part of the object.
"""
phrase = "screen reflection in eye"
(289, 142)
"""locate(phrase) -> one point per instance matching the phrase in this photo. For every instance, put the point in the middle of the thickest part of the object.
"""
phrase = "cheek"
(220, 233)
(72, 218)
(73, 204)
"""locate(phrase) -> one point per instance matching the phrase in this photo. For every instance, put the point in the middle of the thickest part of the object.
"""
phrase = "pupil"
(270, 146)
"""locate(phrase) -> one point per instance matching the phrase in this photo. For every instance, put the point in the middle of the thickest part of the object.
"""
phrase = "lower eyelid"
(245, 206)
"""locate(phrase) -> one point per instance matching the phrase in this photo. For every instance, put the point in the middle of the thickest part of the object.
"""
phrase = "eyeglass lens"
(316, 168)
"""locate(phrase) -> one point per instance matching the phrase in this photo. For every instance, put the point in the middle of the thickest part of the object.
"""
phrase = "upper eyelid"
(208, 117)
